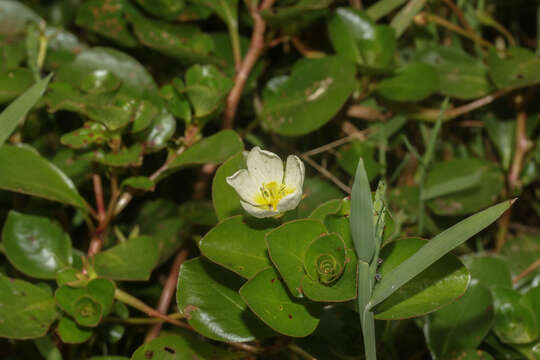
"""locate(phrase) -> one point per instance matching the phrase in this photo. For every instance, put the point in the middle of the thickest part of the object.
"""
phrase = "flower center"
(270, 195)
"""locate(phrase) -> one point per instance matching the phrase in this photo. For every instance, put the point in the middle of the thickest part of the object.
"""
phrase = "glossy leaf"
(238, 244)
(521, 252)
(436, 248)
(139, 183)
(287, 246)
(461, 75)
(268, 297)
(26, 310)
(90, 133)
(130, 261)
(461, 325)
(166, 9)
(207, 291)
(214, 149)
(489, 271)
(127, 157)
(413, 82)
(355, 36)
(326, 208)
(440, 284)
(25, 171)
(71, 333)
(182, 346)
(36, 245)
(14, 83)
(206, 89)
(309, 97)
(316, 192)
(515, 320)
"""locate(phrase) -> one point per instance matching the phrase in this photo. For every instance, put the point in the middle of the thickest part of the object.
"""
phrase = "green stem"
(235, 43)
(383, 7)
(143, 321)
(299, 351)
(428, 155)
(139, 305)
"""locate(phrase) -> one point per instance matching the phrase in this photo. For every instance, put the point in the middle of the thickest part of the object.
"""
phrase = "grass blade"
(435, 249)
(17, 110)
(361, 219)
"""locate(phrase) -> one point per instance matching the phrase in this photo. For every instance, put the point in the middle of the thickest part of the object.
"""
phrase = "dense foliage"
(402, 224)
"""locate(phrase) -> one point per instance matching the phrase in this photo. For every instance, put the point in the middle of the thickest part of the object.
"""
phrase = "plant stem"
(426, 17)
(527, 271)
(232, 26)
(255, 49)
(189, 139)
(301, 352)
(139, 305)
(326, 173)
(167, 293)
(523, 145)
(459, 14)
(143, 321)
(428, 155)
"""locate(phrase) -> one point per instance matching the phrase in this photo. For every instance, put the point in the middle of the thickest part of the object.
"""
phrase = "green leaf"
(461, 325)
(184, 42)
(48, 348)
(12, 116)
(184, 346)
(238, 244)
(107, 19)
(26, 310)
(503, 135)
(515, 320)
(309, 97)
(198, 212)
(316, 192)
(90, 133)
(226, 10)
(521, 252)
(159, 219)
(287, 246)
(100, 81)
(268, 297)
(71, 333)
(128, 157)
(166, 9)
(280, 16)
(355, 36)
(226, 200)
(139, 183)
(435, 249)
(349, 155)
(14, 83)
(489, 271)
(413, 82)
(136, 80)
(130, 261)
(461, 75)
(25, 171)
(533, 298)
(214, 149)
(469, 354)
(344, 289)
(35, 245)
(158, 133)
(462, 186)
(361, 219)
(326, 208)
(519, 68)
(205, 293)
(87, 305)
(324, 260)
(206, 88)
(14, 16)
(440, 284)
(405, 16)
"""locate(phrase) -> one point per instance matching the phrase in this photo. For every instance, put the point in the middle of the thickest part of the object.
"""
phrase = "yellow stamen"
(271, 194)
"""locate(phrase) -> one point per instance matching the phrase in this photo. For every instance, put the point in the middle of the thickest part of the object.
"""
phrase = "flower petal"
(290, 201)
(258, 212)
(244, 184)
(294, 172)
(264, 166)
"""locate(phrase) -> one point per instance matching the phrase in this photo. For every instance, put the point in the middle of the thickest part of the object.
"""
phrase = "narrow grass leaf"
(17, 110)
(362, 228)
(435, 249)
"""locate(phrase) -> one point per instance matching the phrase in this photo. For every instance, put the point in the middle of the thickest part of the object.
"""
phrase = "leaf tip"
(513, 201)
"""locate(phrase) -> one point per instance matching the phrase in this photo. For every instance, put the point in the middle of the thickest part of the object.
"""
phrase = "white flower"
(264, 188)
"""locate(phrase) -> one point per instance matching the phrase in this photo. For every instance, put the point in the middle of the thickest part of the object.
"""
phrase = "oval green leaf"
(35, 245)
